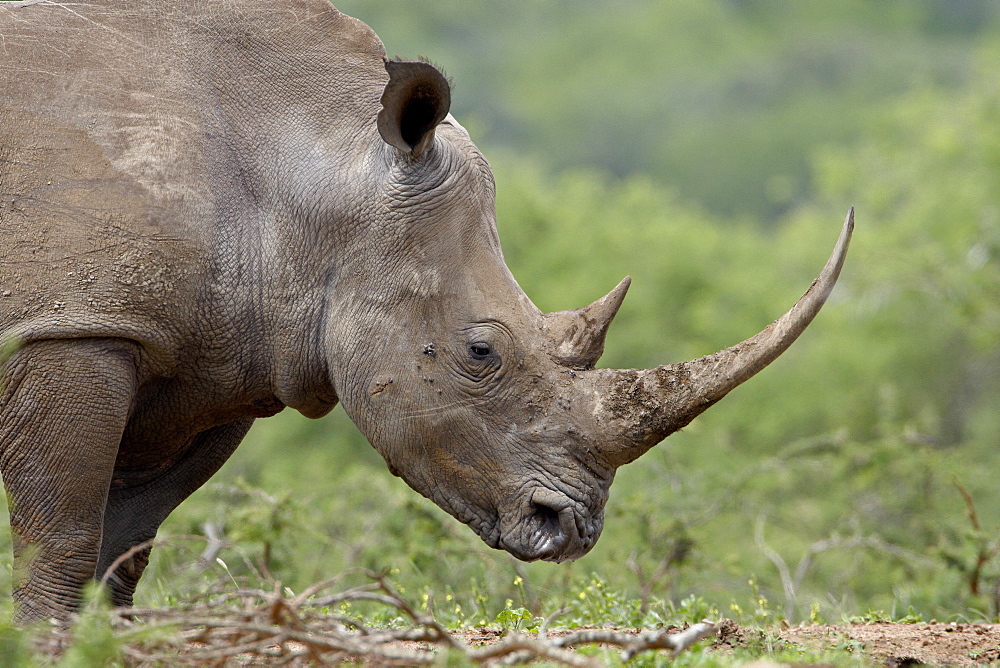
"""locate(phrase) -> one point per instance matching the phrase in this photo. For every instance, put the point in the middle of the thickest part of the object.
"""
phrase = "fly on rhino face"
(243, 206)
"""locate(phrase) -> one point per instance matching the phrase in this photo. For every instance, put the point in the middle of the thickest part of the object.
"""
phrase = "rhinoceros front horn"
(637, 408)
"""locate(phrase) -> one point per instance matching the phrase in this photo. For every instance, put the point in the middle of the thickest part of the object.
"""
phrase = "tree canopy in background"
(711, 150)
(723, 100)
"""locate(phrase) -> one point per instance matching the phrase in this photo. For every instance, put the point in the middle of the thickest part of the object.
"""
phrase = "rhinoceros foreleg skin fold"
(63, 411)
(134, 512)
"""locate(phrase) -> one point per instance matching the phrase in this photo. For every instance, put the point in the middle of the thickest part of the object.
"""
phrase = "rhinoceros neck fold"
(640, 407)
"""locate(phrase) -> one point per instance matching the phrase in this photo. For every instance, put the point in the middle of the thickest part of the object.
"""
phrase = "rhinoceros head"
(480, 401)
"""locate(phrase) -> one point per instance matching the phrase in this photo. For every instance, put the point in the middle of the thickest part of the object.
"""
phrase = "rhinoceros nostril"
(547, 519)
(549, 527)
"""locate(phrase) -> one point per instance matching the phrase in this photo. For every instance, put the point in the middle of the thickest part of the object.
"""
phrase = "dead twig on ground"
(279, 627)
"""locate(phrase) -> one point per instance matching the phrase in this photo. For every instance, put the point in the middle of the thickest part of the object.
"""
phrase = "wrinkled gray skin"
(211, 211)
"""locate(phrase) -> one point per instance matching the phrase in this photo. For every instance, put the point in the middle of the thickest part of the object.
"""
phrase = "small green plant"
(94, 641)
(15, 646)
(693, 609)
(881, 617)
(911, 617)
(848, 644)
(512, 619)
(870, 617)
(597, 604)
(762, 612)
(972, 553)
(266, 521)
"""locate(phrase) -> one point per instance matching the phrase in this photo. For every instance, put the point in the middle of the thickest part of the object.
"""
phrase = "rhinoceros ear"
(414, 101)
(578, 335)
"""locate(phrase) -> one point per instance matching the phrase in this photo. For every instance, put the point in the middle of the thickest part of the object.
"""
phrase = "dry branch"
(250, 626)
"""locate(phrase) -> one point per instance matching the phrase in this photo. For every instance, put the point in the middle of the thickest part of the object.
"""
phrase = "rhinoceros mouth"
(533, 522)
(550, 527)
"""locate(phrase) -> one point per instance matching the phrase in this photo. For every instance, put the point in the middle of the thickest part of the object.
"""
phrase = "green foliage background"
(710, 150)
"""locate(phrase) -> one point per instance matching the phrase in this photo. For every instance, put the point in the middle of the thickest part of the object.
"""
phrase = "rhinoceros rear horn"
(578, 335)
(414, 101)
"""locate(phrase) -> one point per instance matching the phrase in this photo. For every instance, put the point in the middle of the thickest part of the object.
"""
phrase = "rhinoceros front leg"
(63, 409)
(134, 513)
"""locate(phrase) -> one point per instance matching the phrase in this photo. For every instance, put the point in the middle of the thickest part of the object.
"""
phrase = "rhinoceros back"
(102, 199)
(124, 204)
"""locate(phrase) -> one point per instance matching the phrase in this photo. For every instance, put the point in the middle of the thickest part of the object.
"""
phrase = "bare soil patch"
(906, 644)
(891, 644)
(884, 644)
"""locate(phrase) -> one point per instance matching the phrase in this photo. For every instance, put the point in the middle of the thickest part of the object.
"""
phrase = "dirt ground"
(278, 633)
(903, 644)
(897, 644)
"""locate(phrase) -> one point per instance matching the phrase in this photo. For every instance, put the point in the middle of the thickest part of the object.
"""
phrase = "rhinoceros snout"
(551, 529)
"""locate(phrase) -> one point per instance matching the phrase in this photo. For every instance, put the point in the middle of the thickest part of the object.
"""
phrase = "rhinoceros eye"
(480, 350)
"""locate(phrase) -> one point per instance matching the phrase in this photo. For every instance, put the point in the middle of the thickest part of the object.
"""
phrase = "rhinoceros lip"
(547, 527)
(550, 531)
(540, 545)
